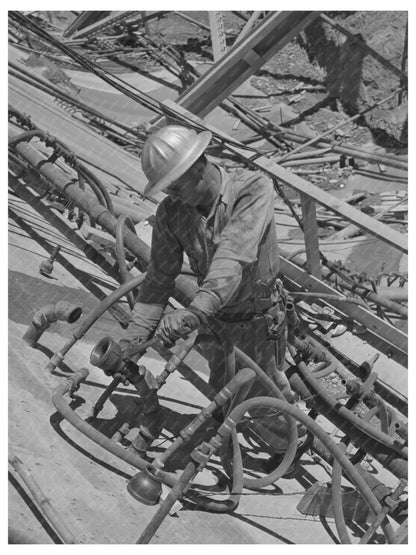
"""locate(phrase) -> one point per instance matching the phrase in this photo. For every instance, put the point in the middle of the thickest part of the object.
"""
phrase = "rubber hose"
(353, 474)
(230, 389)
(231, 503)
(96, 184)
(92, 317)
(81, 425)
(344, 412)
(324, 370)
(120, 253)
(269, 385)
(336, 494)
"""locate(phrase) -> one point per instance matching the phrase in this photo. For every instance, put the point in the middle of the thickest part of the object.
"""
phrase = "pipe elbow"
(47, 315)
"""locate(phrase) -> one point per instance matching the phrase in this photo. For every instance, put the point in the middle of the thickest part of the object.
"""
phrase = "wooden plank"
(310, 232)
(272, 34)
(365, 222)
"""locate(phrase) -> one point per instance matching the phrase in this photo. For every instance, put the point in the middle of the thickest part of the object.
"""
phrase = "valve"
(108, 356)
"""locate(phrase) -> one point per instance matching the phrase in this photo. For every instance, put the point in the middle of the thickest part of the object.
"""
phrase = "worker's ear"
(199, 167)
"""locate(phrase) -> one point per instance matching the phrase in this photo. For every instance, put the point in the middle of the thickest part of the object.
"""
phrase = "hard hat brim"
(202, 140)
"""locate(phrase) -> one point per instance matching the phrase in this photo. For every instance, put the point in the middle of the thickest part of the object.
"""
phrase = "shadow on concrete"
(19, 536)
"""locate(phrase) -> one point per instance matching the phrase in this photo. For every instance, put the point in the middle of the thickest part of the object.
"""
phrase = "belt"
(236, 317)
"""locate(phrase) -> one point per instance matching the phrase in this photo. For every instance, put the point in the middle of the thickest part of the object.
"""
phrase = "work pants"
(251, 337)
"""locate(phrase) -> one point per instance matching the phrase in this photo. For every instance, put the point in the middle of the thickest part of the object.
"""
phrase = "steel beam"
(243, 59)
(218, 40)
(366, 223)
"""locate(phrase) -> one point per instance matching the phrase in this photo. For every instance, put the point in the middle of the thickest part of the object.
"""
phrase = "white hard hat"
(169, 153)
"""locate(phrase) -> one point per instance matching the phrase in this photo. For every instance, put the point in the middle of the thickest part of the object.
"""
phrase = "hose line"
(120, 253)
(336, 494)
(338, 454)
(92, 317)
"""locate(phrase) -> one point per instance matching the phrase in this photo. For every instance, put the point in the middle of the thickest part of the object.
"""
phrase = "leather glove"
(129, 346)
(174, 325)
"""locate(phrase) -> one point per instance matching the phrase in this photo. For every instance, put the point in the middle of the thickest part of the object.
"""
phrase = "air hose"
(282, 406)
(92, 317)
(120, 254)
(336, 494)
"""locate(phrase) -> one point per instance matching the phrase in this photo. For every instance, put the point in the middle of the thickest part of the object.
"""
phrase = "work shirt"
(229, 251)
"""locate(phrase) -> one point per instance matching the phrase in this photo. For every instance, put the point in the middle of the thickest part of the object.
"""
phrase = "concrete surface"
(86, 484)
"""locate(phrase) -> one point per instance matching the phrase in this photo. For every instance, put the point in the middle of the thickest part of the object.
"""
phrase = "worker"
(224, 222)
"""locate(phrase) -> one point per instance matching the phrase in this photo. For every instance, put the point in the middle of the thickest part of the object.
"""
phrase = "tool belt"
(267, 304)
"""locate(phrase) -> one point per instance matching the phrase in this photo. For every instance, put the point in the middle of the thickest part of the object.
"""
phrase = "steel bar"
(279, 132)
(243, 59)
(342, 124)
(185, 288)
(382, 231)
(391, 335)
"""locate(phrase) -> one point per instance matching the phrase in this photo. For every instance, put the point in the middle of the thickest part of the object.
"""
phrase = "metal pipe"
(223, 396)
(387, 452)
(339, 125)
(283, 406)
(283, 133)
(43, 502)
(48, 314)
(310, 161)
(357, 289)
(92, 317)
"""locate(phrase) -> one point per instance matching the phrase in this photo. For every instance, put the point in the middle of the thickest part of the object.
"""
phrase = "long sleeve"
(239, 243)
(165, 264)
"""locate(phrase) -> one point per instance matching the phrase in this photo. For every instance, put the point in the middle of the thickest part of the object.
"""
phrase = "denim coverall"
(230, 250)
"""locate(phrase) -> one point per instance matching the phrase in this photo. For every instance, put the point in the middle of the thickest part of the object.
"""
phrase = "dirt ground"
(323, 75)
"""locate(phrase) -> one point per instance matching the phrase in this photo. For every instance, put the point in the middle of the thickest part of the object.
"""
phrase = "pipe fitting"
(107, 355)
(47, 315)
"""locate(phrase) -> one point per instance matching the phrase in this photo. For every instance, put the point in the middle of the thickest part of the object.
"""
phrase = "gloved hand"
(174, 325)
(129, 347)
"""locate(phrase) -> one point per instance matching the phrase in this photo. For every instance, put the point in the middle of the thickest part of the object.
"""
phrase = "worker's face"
(190, 188)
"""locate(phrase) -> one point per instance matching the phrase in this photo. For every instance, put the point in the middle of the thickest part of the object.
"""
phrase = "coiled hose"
(338, 454)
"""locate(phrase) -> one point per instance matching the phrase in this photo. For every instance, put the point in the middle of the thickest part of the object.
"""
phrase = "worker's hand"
(174, 325)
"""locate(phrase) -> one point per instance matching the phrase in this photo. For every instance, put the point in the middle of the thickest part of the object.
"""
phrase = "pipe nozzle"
(107, 355)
